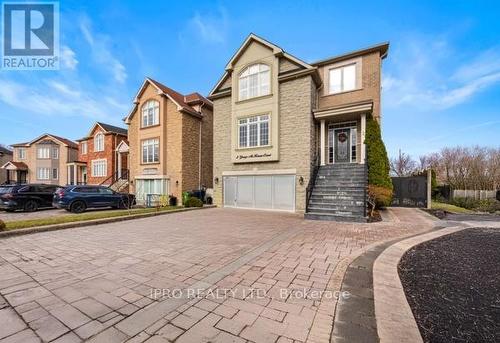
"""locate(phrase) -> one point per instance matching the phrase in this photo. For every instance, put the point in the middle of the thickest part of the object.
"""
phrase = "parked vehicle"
(204, 194)
(78, 198)
(27, 197)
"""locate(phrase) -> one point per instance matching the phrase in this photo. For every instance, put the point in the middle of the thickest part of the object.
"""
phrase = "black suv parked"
(29, 197)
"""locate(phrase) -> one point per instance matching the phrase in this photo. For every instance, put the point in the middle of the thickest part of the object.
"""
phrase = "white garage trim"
(261, 172)
(274, 192)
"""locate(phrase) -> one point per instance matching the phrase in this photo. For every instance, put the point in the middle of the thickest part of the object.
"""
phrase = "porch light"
(216, 180)
(301, 180)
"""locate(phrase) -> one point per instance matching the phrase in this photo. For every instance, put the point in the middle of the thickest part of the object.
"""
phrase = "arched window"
(254, 81)
(99, 142)
(150, 113)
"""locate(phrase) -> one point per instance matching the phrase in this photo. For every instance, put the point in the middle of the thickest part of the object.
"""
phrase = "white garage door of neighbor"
(276, 192)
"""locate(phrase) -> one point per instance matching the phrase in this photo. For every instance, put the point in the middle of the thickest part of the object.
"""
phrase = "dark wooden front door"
(342, 145)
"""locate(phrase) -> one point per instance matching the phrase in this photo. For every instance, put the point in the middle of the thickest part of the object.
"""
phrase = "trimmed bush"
(193, 202)
(2, 226)
(382, 195)
(379, 181)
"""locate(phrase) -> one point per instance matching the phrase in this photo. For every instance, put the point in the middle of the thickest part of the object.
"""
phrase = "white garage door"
(276, 192)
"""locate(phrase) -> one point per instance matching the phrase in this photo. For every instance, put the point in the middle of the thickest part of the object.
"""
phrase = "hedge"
(378, 163)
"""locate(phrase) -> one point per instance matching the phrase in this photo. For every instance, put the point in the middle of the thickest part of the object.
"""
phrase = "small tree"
(379, 180)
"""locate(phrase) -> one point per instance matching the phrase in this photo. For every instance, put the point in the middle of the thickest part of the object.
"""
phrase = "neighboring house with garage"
(103, 157)
(170, 138)
(289, 135)
(42, 160)
(5, 156)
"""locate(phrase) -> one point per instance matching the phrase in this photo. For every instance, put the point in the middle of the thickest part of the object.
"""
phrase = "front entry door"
(342, 145)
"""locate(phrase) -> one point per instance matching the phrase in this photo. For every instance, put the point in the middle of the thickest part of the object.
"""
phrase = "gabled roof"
(4, 150)
(11, 165)
(107, 129)
(64, 141)
(183, 104)
(277, 51)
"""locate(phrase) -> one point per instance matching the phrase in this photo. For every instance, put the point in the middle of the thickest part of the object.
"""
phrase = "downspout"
(199, 150)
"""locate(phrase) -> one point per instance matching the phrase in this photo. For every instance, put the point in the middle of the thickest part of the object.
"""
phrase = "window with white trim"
(99, 142)
(342, 79)
(253, 131)
(55, 153)
(150, 113)
(151, 150)
(254, 81)
(55, 173)
(99, 168)
(43, 152)
(21, 153)
(83, 148)
(43, 173)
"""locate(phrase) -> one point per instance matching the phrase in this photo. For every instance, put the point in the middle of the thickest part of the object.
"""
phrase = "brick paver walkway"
(258, 276)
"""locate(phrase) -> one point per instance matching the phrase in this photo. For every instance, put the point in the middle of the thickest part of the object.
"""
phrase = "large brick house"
(289, 135)
(43, 160)
(102, 156)
(170, 138)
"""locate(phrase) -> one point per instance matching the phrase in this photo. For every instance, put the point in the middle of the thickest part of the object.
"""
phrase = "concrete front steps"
(339, 193)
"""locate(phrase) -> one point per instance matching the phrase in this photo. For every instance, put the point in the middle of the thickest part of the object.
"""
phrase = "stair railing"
(115, 177)
(312, 181)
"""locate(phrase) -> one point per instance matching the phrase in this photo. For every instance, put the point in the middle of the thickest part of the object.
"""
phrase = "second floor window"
(21, 153)
(83, 148)
(342, 79)
(99, 168)
(43, 152)
(99, 142)
(253, 131)
(150, 113)
(254, 81)
(151, 150)
(55, 153)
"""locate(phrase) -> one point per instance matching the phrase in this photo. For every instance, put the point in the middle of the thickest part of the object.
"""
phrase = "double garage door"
(273, 192)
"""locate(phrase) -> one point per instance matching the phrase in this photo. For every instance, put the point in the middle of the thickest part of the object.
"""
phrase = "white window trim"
(105, 168)
(44, 148)
(156, 113)
(98, 148)
(259, 81)
(46, 173)
(57, 173)
(358, 62)
(156, 141)
(55, 153)
(83, 148)
(258, 122)
(21, 153)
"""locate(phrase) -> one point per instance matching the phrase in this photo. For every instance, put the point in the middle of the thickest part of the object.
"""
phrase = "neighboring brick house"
(5, 156)
(102, 155)
(43, 160)
(170, 137)
(277, 118)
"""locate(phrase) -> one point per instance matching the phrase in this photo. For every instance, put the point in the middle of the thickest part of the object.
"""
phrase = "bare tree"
(403, 165)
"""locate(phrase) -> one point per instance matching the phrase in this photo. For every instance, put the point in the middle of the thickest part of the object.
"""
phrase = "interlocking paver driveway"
(99, 283)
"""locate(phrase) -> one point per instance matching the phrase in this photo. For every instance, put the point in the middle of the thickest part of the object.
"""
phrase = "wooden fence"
(474, 194)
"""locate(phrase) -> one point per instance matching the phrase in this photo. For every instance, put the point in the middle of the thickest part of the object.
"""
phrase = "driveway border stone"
(54, 227)
(395, 320)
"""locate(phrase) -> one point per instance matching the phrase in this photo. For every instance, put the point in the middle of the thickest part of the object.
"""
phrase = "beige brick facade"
(179, 136)
(296, 93)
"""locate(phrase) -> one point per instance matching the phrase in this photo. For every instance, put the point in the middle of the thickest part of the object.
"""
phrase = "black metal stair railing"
(312, 181)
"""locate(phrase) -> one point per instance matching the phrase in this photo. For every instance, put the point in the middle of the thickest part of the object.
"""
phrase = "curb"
(55, 227)
(395, 320)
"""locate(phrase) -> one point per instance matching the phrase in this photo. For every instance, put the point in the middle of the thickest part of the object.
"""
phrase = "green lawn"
(449, 208)
(69, 218)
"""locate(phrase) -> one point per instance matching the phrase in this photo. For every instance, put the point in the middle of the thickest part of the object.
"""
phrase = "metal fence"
(473, 194)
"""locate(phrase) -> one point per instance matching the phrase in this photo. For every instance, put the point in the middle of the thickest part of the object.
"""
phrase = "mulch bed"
(452, 284)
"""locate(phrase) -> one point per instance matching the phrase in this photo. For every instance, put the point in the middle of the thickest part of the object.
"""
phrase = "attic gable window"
(150, 113)
(99, 142)
(254, 81)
